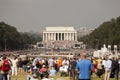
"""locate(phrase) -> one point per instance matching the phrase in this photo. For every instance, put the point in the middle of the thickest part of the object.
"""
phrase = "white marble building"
(60, 33)
(61, 37)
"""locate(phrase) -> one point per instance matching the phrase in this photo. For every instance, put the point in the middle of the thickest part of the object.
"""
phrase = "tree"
(11, 39)
(107, 33)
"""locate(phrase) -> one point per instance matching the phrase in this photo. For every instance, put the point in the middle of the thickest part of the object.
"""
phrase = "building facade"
(59, 34)
(59, 38)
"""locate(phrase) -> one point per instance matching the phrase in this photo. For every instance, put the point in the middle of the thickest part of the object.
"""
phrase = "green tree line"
(11, 39)
(107, 33)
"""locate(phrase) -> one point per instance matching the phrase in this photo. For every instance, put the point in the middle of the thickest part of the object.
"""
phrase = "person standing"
(5, 68)
(51, 63)
(71, 68)
(107, 66)
(20, 65)
(116, 69)
(1, 75)
(14, 66)
(84, 66)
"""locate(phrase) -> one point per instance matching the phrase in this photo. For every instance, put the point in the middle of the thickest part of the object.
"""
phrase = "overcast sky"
(32, 15)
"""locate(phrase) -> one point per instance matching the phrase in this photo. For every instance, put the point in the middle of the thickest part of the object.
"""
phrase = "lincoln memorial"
(59, 37)
(59, 34)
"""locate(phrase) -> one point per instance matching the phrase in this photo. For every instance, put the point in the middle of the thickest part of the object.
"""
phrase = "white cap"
(43, 65)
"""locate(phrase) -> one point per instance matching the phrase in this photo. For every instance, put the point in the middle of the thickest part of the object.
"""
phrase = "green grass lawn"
(24, 77)
(58, 77)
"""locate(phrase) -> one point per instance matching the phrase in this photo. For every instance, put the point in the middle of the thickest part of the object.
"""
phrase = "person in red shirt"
(43, 71)
(95, 66)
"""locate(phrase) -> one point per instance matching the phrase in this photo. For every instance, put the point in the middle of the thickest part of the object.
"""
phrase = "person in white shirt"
(107, 65)
(103, 64)
(14, 66)
(65, 62)
(51, 63)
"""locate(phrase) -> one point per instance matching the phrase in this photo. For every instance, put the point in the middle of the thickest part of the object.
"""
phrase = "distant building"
(59, 34)
(82, 31)
(59, 38)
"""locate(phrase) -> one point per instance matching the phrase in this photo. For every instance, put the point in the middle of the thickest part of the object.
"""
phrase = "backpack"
(5, 66)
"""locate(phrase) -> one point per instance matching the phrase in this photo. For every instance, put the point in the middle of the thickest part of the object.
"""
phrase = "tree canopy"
(11, 39)
(107, 33)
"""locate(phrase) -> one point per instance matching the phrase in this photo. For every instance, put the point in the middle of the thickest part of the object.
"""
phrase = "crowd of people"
(81, 68)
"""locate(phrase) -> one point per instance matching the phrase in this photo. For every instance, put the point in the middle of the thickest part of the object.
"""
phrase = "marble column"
(45, 36)
(48, 36)
(53, 36)
(75, 36)
(70, 37)
(58, 36)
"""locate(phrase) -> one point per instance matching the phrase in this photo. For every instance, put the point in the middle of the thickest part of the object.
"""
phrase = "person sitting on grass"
(53, 72)
(43, 71)
(46, 77)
